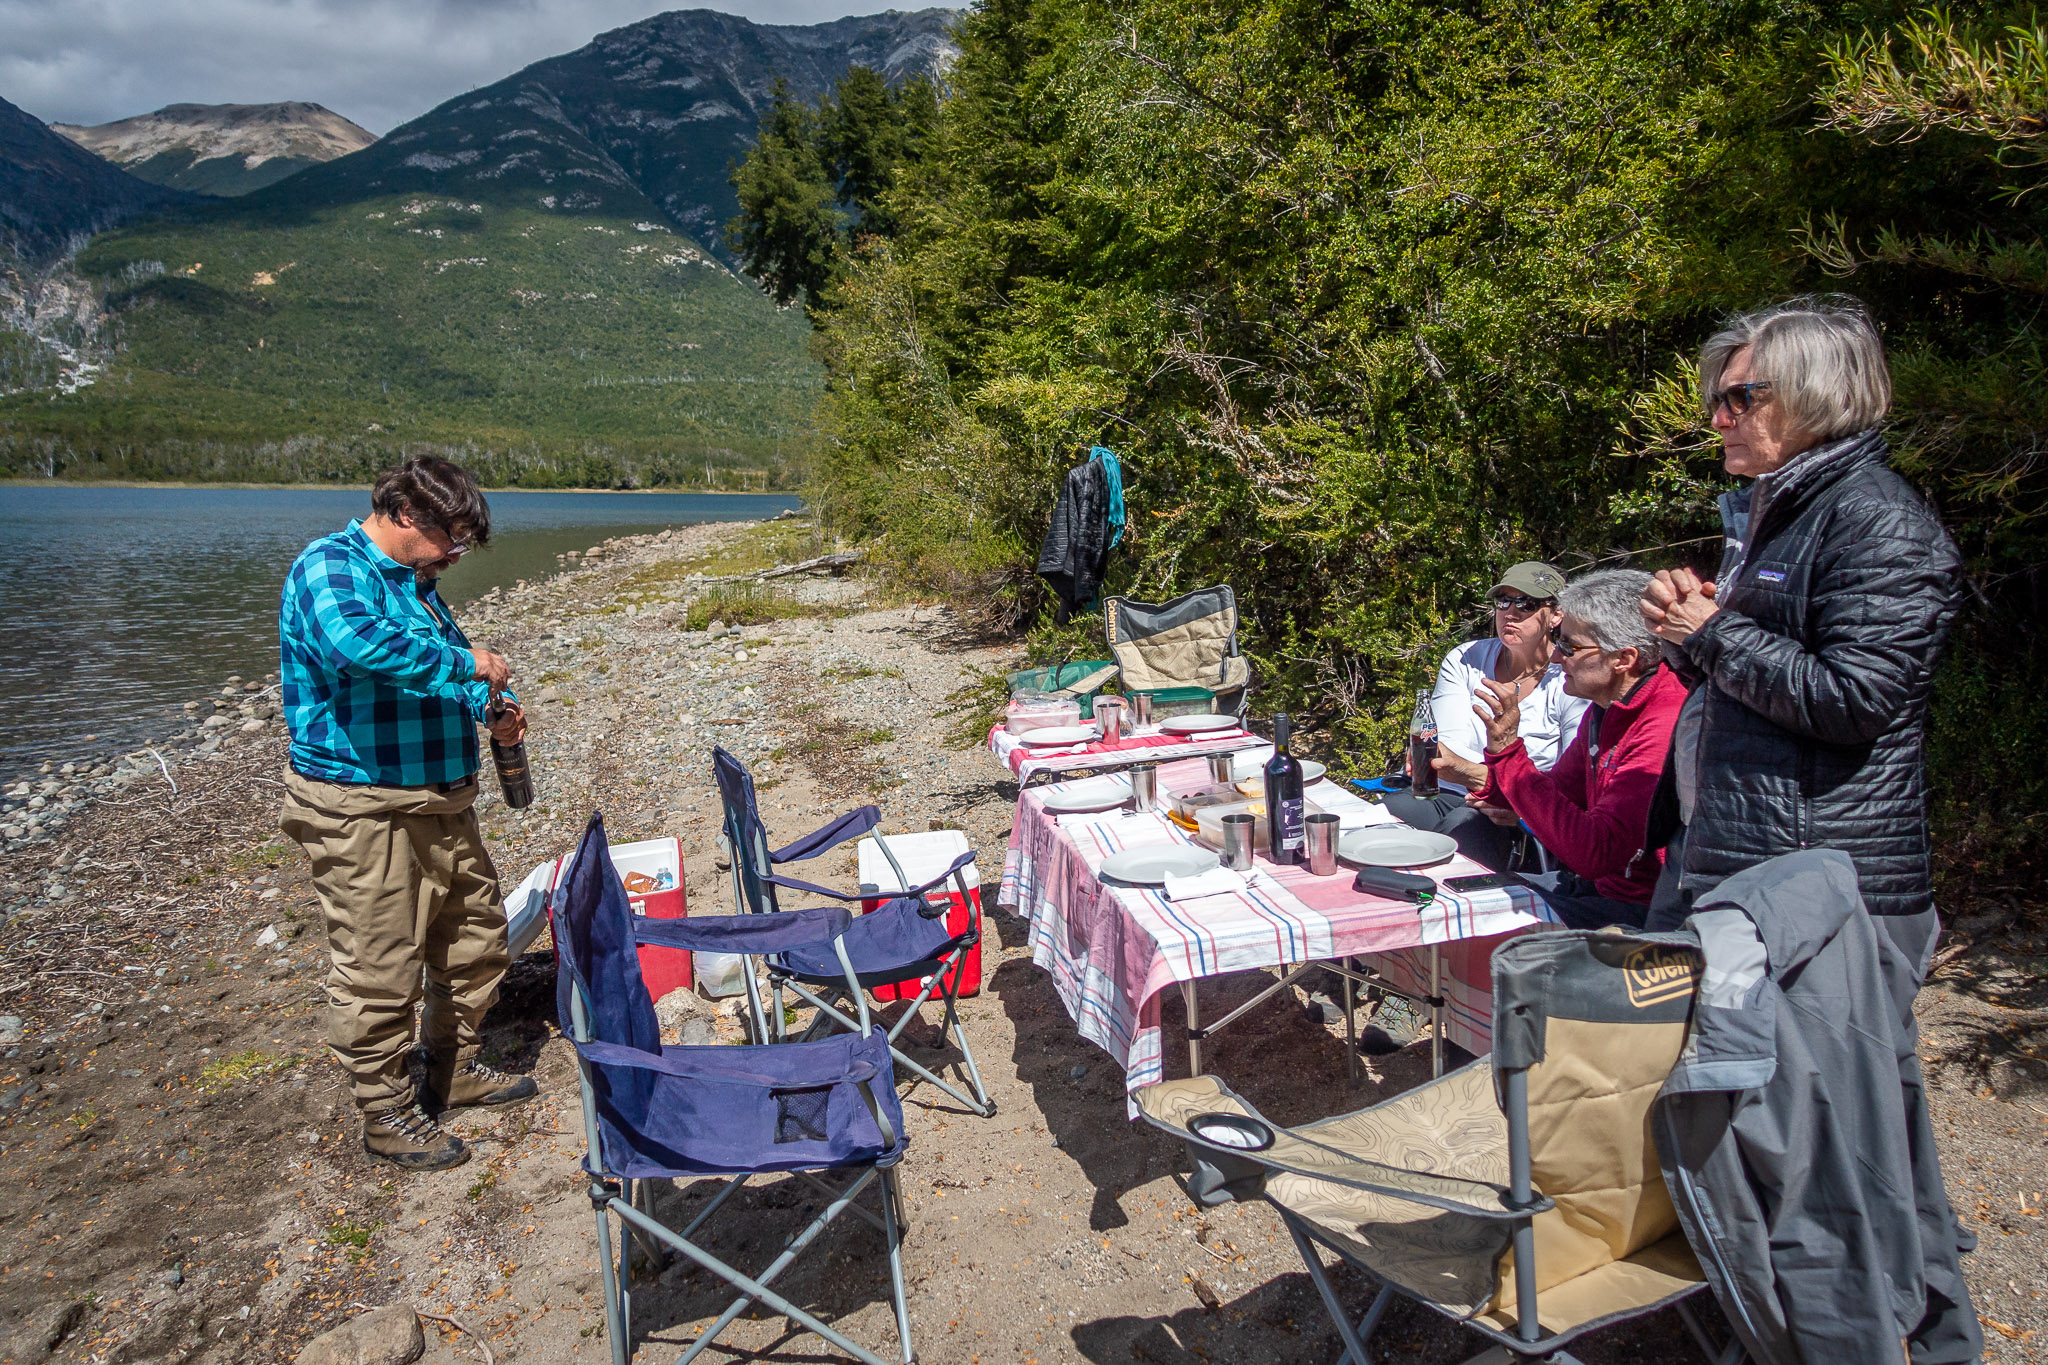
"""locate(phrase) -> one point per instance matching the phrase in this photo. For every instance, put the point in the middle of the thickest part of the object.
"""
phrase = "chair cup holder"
(1220, 1175)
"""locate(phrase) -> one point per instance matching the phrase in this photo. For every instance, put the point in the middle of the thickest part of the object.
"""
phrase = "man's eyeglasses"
(1508, 601)
(1737, 398)
(1566, 647)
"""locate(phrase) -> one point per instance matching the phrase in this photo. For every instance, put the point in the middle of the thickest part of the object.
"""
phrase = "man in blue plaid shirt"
(383, 694)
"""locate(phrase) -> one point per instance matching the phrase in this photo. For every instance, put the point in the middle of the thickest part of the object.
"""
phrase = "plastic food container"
(1209, 822)
(1028, 713)
(1080, 681)
(1168, 702)
(1189, 804)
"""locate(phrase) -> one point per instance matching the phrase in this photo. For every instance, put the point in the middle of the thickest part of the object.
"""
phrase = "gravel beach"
(184, 1175)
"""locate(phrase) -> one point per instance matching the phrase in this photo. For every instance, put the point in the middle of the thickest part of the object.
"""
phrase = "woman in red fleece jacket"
(1591, 809)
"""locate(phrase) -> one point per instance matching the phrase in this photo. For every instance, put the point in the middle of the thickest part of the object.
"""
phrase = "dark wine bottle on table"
(514, 778)
(1286, 823)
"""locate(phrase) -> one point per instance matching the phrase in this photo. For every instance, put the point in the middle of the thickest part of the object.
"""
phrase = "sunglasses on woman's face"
(1567, 647)
(1737, 398)
(1508, 601)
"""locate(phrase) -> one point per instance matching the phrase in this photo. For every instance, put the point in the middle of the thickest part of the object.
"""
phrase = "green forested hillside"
(523, 274)
(552, 348)
(1375, 299)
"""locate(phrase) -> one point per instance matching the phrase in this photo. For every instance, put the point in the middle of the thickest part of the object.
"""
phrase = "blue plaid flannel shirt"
(378, 689)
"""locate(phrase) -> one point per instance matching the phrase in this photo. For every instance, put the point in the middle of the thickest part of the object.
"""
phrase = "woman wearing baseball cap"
(1516, 655)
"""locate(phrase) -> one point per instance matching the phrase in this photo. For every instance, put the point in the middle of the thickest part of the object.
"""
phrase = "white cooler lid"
(923, 856)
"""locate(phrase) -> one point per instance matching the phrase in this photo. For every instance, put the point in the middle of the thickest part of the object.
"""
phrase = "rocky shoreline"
(37, 808)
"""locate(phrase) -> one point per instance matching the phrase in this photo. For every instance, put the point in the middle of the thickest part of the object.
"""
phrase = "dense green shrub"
(1375, 299)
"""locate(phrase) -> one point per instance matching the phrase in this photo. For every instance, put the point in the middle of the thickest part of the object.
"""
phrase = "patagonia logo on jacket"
(1771, 575)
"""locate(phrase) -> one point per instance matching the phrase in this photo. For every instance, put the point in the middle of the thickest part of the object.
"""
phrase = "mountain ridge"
(649, 114)
(221, 149)
(52, 190)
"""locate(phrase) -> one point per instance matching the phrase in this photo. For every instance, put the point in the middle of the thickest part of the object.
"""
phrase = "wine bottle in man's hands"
(514, 779)
(1286, 824)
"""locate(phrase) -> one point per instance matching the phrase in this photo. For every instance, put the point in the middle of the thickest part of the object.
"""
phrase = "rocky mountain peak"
(222, 148)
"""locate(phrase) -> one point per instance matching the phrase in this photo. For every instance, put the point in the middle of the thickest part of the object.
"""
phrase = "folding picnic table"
(1148, 744)
(1114, 950)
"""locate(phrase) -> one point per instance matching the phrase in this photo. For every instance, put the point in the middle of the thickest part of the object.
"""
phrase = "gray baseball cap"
(1532, 578)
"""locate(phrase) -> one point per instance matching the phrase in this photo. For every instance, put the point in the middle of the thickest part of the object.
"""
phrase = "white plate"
(1195, 725)
(1251, 777)
(1061, 734)
(1149, 865)
(1097, 793)
(1395, 846)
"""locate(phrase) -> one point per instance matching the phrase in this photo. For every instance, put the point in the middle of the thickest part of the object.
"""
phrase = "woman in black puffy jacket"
(1811, 656)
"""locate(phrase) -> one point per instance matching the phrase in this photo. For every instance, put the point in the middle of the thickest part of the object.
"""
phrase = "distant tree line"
(1375, 298)
(317, 460)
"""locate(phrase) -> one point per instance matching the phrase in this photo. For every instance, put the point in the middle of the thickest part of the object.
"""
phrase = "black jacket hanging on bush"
(1076, 548)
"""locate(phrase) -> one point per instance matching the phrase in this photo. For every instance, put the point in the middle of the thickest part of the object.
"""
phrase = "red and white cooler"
(655, 866)
(923, 857)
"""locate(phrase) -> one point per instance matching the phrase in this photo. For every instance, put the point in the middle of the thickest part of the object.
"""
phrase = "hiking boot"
(473, 1082)
(407, 1138)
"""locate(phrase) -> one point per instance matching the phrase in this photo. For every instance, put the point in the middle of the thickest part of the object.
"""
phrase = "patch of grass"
(354, 1236)
(264, 855)
(552, 676)
(746, 551)
(843, 673)
(486, 1181)
(747, 604)
(222, 1072)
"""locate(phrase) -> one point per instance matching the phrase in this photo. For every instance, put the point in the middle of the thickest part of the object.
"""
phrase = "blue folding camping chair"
(826, 1107)
(903, 940)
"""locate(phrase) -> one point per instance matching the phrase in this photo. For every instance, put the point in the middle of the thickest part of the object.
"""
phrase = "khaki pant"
(406, 886)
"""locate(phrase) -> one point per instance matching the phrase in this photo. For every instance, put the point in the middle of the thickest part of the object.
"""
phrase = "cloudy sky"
(379, 62)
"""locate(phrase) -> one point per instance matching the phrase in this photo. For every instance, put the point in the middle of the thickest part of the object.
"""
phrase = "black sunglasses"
(1737, 398)
(1508, 601)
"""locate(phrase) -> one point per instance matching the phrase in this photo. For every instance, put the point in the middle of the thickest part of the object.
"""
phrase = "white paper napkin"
(1217, 881)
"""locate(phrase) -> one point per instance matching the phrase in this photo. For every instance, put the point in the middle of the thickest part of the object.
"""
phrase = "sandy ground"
(182, 1169)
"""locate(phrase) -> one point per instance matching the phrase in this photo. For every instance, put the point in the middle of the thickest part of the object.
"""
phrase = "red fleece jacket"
(1592, 808)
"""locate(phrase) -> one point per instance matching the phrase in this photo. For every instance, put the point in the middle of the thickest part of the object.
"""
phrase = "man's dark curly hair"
(437, 493)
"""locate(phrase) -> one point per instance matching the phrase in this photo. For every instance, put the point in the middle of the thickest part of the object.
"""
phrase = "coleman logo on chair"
(1657, 974)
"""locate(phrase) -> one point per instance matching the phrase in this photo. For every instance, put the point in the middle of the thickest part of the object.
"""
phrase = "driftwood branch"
(833, 564)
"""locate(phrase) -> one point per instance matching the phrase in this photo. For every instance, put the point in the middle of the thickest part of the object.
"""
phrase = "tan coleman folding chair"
(1520, 1195)
(1188, 642)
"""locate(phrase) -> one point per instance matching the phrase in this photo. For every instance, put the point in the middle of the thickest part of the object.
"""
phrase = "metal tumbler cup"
(1238, 832)
(1322, 845)
(1109, 714)
(1141, 707)
(1221, 768)
(1144, 786)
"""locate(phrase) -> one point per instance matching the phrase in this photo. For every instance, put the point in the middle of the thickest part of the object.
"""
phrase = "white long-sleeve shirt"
(1550, 719)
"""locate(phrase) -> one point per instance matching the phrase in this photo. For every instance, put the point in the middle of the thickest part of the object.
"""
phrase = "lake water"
(120, 604)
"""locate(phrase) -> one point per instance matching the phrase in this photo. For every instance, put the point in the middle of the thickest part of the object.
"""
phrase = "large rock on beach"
(386, 1336)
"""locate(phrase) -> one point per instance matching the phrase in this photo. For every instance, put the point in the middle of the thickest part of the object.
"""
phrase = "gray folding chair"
(1520, 1195)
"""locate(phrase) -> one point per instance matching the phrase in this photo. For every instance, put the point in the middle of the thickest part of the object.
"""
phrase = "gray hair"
(1822, 356)
(1607, 604)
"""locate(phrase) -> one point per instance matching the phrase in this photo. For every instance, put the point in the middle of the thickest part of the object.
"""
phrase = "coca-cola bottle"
(1422, 746)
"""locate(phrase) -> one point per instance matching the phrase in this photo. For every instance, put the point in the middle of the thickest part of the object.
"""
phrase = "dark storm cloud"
(379, 62)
